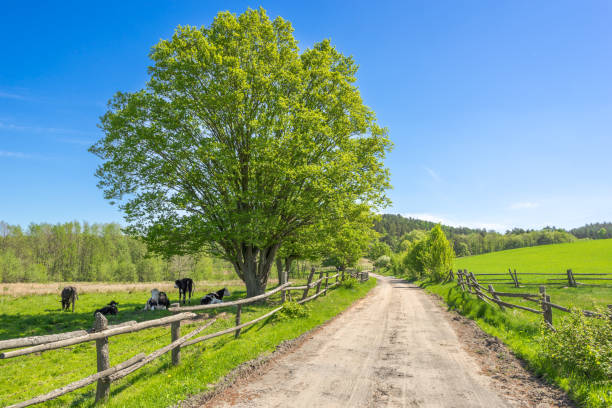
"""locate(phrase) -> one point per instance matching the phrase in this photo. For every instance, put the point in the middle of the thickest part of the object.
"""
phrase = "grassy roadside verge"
(520, 331)
(158, 384)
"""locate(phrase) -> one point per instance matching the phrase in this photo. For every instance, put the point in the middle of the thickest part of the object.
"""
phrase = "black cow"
(110, 309)
(215, 297)
(184, 286)
(69, 295)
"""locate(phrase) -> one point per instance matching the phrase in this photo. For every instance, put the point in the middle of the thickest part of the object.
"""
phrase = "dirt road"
(394, 349)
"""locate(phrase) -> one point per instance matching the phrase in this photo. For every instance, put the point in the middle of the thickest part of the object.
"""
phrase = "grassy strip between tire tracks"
(160, 383)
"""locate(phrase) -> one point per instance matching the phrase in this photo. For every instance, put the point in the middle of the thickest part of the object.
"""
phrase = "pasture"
(160, 383)
(521, 329)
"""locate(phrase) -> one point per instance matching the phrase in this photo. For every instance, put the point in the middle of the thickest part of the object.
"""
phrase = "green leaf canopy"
(238, 141)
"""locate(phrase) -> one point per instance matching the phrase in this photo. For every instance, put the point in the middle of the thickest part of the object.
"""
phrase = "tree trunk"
(280, 270)
(254, 267)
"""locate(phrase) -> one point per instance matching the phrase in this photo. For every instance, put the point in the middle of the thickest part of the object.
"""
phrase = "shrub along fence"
(467, 281)
(102, 331)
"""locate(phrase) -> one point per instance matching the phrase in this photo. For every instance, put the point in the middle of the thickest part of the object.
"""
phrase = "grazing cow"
(110, 309)
(69, 295)
(184, 286)
(215, 297)
(159, 300)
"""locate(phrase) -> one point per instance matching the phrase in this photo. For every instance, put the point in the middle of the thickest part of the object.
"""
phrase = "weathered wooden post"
(175, 333)
(320, 281)
(470, 281)
(342, 279)
(492, 292)
(546, 308)
(516, 281)
(238, 313)
(570, 279)
(312, 272)
(284, 291)
(103, 360)
(326, 282)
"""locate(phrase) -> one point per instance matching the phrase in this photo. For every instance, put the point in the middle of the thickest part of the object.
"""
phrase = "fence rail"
(468, 282)
(568, 277)
(107, 374)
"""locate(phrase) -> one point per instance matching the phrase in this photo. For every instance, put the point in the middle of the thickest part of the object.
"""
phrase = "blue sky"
(500, 111)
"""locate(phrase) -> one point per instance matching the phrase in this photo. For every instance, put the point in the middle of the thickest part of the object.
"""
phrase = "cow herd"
(158, 300)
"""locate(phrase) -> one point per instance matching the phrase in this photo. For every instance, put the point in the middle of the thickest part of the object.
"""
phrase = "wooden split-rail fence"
(468, 282)
(102, 331)
(568, 278)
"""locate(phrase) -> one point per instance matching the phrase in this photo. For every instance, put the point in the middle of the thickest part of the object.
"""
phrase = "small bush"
(292, 310)
(581, 343)
(350, 282)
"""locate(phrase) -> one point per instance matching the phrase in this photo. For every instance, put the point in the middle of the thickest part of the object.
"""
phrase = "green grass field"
(520, 329)
(159, 383)
(581, 257)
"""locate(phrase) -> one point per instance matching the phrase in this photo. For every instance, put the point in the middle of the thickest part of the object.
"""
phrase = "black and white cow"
(158, 301)
(110, 309)
(215, 297)
(69, 295)
(184, 286)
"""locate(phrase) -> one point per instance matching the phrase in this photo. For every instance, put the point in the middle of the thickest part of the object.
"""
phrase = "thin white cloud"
(16, 155)
(453, 223)
(432, 173)
(7, 95)
(523, 205)
(42, 129)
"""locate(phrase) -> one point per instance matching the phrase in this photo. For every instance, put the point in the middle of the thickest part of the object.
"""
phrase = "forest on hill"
(397, 232)
(76, 251)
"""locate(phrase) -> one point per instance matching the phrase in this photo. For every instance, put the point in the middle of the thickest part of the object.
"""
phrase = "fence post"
(570, 279)
(103, 360)
(468, 280)
(326, 282)
(320, 281)
(516, 281)
(283, 291)
(312, 272)
(175, 331)
(492, 292)
(238, 313)
(342, 278)
(546, 308)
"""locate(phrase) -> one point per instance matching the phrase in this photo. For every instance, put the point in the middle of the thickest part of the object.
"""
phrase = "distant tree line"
(398, 233)
(76, 251)
(599, 230)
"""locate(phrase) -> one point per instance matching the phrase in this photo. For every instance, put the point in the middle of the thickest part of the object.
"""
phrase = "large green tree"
(238, 141)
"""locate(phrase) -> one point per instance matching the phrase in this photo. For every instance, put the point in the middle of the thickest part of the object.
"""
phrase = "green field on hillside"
(159, 383)
(581, 256)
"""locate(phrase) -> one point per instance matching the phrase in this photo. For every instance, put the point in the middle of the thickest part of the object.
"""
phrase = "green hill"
(580, 256)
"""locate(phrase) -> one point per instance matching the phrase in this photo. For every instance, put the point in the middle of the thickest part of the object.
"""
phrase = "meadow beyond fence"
(469, 282)
(101, 332)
